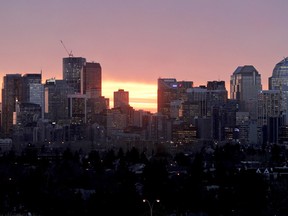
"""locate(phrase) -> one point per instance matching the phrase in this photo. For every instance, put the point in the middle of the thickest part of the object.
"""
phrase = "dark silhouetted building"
(77, 108)
(11, 92)
(56, 101)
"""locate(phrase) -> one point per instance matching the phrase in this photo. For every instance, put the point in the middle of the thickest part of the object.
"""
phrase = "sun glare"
(141, 95)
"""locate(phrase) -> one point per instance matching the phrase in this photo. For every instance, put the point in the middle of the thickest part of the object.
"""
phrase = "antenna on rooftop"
(69, 53)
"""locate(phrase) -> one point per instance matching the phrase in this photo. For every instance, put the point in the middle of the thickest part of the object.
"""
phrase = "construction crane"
(69, 53)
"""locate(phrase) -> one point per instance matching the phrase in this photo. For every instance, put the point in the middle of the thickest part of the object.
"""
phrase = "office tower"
(33, 90)
(56, 102)
(28, 80)
(269, 115)
(94, 107)
(269, 105)
(245, 84)
(279, 81)
(28, 115)
(243, 122)
(115, 121)
(77, 108)
(36, 94)
(216, 85)
(182, 87)
(184, 84)
(91, 80)
(72, 67)
(11, 92)
(121, 98)
(168, 91)
(198, 95)
(184, 133)
(217, 95)
(279, 78)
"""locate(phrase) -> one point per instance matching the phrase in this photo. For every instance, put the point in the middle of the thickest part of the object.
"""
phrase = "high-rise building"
(11, 92)
(91, 80)
(169, 89)
(33, 90)
(245, 84)
(217, 94)
(77, 108)
(216, 85)
(279, 81)
(167, 92)
(269, 115)
(56, 101)
(72, 67)
(279, 78)
(121, 98)
(197, 96)
(28, 80)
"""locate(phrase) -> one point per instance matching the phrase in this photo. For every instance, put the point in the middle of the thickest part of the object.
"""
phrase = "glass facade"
(169, 89)
(72, 67)
(245, 84)
(56, 102)
(279, 81)
(36, 92)
(91, 80)
(279, 78)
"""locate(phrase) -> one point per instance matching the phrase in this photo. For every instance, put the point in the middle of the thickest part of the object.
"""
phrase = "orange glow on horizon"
(142, 96)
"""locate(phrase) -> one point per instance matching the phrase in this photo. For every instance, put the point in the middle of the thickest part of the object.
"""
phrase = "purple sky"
(140, 41)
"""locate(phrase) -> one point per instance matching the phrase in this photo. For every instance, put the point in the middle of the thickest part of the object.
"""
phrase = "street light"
(151, 205)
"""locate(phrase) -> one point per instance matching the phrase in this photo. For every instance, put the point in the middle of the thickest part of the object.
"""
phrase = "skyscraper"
(33, 90)
(91, 80)
(279, 78)
(77, 108)
(11, 92)
(279, 81)
(56, 101)
(121, 98)
(170, 90)
(245, 84)
(27, 80)
(167, 91)
(72, 67)
(269, 115)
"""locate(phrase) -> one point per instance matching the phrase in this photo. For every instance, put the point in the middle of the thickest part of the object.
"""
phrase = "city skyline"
(138, 42)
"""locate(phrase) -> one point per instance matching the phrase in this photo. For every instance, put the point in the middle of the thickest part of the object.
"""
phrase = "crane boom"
(69, 53)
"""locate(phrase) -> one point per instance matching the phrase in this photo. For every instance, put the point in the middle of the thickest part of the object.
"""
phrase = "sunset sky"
(136, 42)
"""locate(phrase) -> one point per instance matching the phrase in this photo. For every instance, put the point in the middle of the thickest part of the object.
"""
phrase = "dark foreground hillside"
(228, 180)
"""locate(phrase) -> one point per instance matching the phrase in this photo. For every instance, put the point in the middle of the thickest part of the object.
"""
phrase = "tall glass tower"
(167, 92)
(279, 78)
(279, 81)
(245, 84)
(72, 67)
(91, 80)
